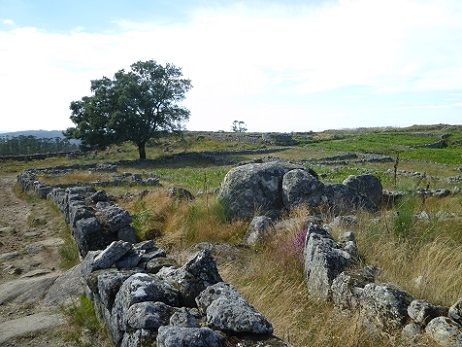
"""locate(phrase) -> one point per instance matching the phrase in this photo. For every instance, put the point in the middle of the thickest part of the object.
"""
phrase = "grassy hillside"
(405, 246)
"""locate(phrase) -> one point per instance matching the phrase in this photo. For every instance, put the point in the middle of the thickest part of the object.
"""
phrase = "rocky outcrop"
(272, 187)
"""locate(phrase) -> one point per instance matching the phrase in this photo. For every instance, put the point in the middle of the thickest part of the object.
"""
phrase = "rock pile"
(383, 308)
(269, 188)
(145, 298)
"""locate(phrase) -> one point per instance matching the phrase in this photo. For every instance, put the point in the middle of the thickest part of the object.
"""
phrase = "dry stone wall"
(144, 297)
(384, 308)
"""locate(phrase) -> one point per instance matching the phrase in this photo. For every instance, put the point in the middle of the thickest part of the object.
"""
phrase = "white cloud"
(8, 22)
(245, 63)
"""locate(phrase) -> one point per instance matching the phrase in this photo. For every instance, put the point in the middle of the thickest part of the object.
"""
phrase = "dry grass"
(182, 223)
(427, 262)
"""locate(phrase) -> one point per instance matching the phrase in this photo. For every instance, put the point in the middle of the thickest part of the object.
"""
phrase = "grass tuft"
(85, 329)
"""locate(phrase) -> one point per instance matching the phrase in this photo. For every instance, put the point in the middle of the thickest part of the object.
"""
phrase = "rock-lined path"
(29, 242)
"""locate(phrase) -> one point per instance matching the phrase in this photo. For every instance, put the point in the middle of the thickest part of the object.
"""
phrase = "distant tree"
(133, 106)
(21, 145)
(239, 126)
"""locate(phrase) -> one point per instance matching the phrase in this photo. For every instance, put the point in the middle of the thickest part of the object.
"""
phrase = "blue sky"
(277, 65)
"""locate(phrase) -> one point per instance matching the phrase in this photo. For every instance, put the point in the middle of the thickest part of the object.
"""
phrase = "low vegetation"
(84, 329)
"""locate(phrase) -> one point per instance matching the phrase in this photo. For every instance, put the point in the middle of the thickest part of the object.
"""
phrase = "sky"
(276, 65)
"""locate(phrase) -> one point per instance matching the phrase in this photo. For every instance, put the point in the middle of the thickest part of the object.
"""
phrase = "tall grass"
(183, 223)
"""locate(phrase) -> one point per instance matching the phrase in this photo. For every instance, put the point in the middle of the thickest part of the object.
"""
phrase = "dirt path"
(29, 258)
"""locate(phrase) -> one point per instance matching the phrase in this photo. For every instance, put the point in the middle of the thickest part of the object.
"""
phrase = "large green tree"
(135, 106)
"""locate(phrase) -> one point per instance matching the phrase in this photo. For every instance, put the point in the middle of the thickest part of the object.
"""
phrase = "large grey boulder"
(324, 260)
(299, 187)
(445, 332)
(384, 307)
(199, 272)
(174, 336)
(368, 186)
(259, 229)
(340, 199)
(249, 188)
(267, 188)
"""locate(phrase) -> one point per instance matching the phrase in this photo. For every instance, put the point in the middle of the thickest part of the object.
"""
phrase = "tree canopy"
(135, 106)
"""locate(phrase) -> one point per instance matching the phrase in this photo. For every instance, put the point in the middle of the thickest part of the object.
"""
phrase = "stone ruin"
(142, 296)
(145, 298)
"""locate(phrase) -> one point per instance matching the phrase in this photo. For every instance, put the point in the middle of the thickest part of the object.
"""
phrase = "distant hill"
(44, 134)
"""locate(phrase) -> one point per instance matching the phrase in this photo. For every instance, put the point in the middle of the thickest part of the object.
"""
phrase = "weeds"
(68, 251)
(85, 330)
(405, 215)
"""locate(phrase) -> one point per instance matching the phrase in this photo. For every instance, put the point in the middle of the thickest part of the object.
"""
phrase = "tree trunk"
(142, 150)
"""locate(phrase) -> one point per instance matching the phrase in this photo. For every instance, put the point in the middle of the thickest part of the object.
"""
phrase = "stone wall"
(383, 308)
(142, 296)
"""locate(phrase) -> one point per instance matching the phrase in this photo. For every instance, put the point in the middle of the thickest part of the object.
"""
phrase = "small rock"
(455, 311)
(184, 317)
(445, 332)
(181, 193)
(237, 316)
(324, 260)
(111, 254)
(260, 227)
(349, 221)
(347, 236)
(412, 331)
(149, 315)
(9, 256)
(100, 195)
(384, 306)
(155, 264)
